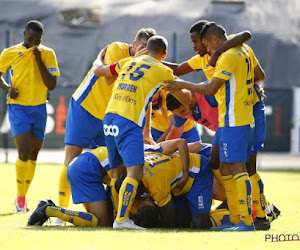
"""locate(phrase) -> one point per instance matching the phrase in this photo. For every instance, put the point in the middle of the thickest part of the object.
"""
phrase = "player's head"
(212, 36)
(157, 47)
(195, 30)
(33, 33)
(119, 181)
(148, 214)
(142, 37)
(176, 107)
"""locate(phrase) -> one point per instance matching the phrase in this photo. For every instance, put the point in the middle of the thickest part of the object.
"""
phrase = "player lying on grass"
(87, 186)
(99, 211)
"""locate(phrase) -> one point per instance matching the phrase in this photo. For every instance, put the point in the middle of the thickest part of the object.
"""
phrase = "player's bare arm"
(175, 132)
(259, 75)
(103, 70)
(12, 92)
(201, 88)
(48, 79)
(237, 40)
(147, 128)
(179, 69)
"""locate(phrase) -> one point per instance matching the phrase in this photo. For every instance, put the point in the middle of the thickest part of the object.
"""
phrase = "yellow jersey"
(159, 118)
(162, 172)
(102, 156)
(201, 63)
(235, 96)
(255, 62)
(26, 76)
(138, 80)
(93, 93)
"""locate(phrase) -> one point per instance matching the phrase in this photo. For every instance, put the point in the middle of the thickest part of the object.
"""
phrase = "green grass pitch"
(281, 188)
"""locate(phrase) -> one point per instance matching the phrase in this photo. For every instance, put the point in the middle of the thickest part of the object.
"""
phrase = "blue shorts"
(25, 118)
(206, 148)
(83, 129)
(192, 135)
(216, 138)
(260, 127)
(124, 140)
(85, 178)
(200, 195)
(235, 143)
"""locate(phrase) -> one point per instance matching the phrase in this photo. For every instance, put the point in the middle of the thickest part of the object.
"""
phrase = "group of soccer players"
(160, 181)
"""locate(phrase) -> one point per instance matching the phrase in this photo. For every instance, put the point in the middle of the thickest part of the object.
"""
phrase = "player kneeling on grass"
(87, 188)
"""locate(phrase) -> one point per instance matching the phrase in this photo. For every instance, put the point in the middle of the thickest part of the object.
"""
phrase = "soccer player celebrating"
(234, 75)
(84, 127)
(138, 79)
(35, 70)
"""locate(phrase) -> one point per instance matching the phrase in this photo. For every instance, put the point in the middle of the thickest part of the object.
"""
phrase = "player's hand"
(102, 53)
(36, 51)
(13, 93)
(181, 183)
(174, 85)
(261, 91)
(214, 58)
(140, 50)
(149, 140)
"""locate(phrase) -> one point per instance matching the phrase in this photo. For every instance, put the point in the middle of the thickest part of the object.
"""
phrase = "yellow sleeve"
(196, 62)
(51, 63)
(5, 61)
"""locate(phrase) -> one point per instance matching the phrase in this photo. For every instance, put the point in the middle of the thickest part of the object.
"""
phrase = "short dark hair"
(145, 33)
(210, 29)
(35, 26)
(147, 216)
(172, 102)
(197, 26)
(157, 44)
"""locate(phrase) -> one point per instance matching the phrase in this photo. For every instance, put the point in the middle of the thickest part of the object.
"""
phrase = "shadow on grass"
(109, 229)
(7, 214)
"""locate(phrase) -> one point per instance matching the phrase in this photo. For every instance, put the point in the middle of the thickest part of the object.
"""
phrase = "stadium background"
(77, 30)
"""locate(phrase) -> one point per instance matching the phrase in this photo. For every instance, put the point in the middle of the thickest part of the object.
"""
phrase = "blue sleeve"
(179, 121)
(211, 100)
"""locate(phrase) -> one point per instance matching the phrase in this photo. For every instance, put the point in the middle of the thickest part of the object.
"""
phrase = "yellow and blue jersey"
(159, 118)
(138, 80)
(162, 172)
(201, 63)
(26, 76)
(102, 156)
(93, 93)
(235, 96)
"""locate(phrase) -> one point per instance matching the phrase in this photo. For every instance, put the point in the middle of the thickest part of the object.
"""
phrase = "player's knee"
(23, 155)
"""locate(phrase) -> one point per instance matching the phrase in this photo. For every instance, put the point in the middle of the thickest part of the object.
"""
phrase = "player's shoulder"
(118, 45)
(12, 49)
(231, 54)
(45, 48)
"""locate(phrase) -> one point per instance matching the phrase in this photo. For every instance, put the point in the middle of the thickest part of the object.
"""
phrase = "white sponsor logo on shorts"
(200, 202)
(112, 130)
